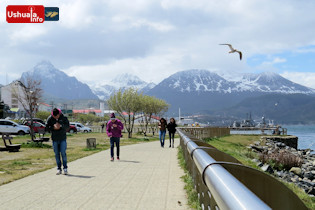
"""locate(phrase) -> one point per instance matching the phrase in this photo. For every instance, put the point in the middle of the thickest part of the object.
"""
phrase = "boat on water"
(249, 124)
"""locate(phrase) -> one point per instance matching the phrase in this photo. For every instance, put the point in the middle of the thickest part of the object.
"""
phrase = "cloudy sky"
(97, 39)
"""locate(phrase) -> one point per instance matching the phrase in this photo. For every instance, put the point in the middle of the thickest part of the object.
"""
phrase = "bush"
(281, 159)
(35, 145)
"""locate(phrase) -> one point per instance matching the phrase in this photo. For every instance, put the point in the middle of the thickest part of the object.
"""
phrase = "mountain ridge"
(57, 83)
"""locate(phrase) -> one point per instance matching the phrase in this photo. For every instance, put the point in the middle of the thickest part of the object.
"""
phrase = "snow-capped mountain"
(196, 90)
(270, 82)
(196, 80)
(58, 84)
(123, 81)
(206, 81)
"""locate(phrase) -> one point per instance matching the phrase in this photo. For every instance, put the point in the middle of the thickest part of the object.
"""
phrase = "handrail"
(227, 191)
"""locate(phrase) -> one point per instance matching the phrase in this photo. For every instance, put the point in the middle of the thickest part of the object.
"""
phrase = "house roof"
(86, 110)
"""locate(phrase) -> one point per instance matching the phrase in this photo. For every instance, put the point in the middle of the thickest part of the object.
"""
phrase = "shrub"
(281, 159)
(35, 145)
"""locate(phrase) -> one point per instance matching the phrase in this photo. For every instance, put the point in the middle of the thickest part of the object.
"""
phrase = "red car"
(36, 126)
(72, 129)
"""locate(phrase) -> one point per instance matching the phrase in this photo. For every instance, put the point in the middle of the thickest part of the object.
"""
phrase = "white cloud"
(26, 33)
(128, 22)
(149, 36)
(302, 78)
(274, 61)
(76, 14)
(153, 68)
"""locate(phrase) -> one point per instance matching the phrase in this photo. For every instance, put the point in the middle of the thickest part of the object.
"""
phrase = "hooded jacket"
(61, 134)
(171, 127)
(114, 131)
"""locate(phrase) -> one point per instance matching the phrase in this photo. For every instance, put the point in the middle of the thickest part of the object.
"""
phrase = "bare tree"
(28, 93)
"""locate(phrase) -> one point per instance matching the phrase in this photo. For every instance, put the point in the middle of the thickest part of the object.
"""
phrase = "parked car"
(8, 126)
(72, 129)
(34, 120)
(36, 126)
(80, 127)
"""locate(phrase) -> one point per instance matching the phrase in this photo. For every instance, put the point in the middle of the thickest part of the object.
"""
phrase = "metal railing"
(222, 182)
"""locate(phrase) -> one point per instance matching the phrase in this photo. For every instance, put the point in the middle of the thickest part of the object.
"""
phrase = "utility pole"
(52, 104)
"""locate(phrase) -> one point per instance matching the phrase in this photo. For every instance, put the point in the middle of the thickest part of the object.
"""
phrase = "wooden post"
(91, 143)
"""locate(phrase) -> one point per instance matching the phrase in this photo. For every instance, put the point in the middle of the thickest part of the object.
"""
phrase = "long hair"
(173, 119)
(162, 119)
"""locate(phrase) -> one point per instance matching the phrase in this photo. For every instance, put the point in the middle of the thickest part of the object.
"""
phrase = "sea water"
(305, 134)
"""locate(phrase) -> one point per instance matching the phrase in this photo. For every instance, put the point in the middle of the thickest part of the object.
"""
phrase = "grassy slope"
(235, 145)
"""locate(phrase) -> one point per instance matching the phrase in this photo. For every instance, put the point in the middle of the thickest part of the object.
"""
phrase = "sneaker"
(170, 146)
(112, 159)
(58, 172)
(117, 158)
(65, 171)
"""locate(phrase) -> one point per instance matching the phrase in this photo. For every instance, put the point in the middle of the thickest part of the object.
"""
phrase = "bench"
(10, 147)
(41, 134)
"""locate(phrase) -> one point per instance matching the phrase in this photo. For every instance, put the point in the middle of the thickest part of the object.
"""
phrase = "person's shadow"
(129, 161)
(80, 176)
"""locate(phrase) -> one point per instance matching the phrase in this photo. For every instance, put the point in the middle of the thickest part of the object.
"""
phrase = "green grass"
(236, 146)
(35, 145)
(21, 163)
(192, 194)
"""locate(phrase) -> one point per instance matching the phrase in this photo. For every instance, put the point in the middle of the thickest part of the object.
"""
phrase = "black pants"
(171, 138)
(113, 140)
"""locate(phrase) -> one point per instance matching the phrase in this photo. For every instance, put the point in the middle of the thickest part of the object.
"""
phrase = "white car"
(81, 128)
(8, 126)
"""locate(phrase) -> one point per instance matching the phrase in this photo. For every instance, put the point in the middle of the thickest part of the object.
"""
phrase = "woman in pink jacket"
(113, 130)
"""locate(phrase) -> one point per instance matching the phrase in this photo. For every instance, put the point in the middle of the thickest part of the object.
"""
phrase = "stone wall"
(291, 141)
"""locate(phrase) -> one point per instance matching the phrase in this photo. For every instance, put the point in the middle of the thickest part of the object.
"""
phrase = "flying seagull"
(233, 50)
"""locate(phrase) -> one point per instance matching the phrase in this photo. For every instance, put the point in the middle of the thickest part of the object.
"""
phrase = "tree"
(42, 115)
(127, 104)
(151, 105)
(28, 93)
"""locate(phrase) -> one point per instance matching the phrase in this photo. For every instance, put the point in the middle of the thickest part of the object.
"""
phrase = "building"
(9, 95)
(97, 112)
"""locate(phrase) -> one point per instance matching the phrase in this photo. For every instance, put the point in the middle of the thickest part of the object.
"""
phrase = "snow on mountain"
(196, 90)
(123, 81)
(196, 80)
(58, 84)
(205, 81)
(270, 82)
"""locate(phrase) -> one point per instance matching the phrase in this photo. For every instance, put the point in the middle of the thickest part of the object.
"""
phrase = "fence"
(136, 129)
(222, 182)
(207, 132)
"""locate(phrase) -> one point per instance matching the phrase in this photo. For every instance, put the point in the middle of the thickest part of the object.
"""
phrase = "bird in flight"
(233, 50)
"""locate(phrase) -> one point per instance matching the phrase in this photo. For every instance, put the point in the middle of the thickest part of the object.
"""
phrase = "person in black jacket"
(171, 127)
(58, 124)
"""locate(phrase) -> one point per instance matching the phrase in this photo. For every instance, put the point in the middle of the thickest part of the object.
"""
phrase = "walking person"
(113, 130)
(171, 127)
(102, 126)
(162, 127)
(58, 124)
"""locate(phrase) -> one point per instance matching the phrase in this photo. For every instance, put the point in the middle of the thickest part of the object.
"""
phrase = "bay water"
(305, 134)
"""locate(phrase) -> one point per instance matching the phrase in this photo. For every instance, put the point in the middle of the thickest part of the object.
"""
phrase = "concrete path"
(146, 177)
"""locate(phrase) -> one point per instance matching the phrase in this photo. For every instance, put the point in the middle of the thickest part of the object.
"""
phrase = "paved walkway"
(146, 177)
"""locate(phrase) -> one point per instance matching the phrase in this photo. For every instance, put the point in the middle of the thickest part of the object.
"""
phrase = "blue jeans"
(60, 148)
(171, 137)
(112, 141)
(162, 137)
